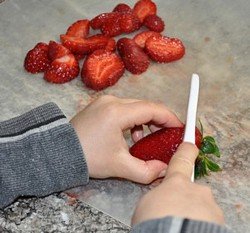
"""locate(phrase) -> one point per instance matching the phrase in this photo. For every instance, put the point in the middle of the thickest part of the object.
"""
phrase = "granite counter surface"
(216, 36)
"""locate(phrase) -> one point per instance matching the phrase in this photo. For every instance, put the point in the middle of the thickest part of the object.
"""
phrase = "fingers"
(183, 161)
(142, 112)
(153, 128)
(137, 133)
(140, 171)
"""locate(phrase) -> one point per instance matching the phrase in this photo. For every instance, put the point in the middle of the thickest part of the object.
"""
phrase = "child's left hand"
(100, 128)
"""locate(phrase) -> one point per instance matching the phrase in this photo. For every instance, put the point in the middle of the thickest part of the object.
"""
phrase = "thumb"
(183, 160)
(140, 171)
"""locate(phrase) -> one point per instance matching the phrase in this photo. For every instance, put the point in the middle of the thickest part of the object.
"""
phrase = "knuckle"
(178, 178)
(147, 177)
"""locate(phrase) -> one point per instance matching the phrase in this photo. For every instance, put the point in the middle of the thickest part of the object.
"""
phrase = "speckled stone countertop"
(216, 34)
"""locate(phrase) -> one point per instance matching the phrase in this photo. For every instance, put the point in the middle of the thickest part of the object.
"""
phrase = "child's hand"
(100, 128)
(177, 195)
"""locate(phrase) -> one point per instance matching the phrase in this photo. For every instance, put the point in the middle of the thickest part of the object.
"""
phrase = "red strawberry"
(133, 56)
(141, 38)
(111, 26)
(164, 49)
(128, 22)
(122, 7)
(57, 50)
(99, 20)
(79, 56)
(111, 45)
(144, 8)
(79, 28)
(62, 69)
(101, 69)
(162, 144)
(79, 45)
(154, 23)
(37, 59)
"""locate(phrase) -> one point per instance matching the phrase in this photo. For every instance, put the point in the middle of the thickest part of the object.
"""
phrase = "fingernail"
(162, 173)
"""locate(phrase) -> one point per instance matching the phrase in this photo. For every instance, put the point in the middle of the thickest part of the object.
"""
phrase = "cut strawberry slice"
(37, 59)
(129, 22)
(99, 20)
(164, 49)
(144, 8)
(141, 38)
(154, 23)
(79, 56)
(111, 26)
(111, 45)
(57, 50)
(122, 7)
(62, 69)
(79, 45)
(79, 28)
(133, 56)
(102, 69)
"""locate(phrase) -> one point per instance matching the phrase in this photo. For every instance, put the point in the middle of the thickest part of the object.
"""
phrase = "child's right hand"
(177, 195)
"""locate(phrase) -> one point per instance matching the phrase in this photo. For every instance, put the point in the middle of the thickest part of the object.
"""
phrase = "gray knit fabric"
(178, 225)
(39, 154)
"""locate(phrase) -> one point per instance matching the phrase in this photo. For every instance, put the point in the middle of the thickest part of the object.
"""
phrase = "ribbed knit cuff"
(40, 153)
(178, 225)
(41, 115)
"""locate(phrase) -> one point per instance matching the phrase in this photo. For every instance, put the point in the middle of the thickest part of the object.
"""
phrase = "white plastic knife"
(189, 135)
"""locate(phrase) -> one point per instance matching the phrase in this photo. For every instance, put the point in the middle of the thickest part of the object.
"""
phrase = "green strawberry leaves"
(209, 146)
(204, 162)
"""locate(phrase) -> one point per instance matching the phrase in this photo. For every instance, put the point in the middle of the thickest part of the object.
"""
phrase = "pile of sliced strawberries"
(102, 66)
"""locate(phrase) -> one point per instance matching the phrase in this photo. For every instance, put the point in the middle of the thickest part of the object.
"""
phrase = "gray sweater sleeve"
(178, 225)
(39, 154)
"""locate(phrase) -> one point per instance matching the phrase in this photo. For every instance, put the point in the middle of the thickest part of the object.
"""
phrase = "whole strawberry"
(162, 145)
(37, 59)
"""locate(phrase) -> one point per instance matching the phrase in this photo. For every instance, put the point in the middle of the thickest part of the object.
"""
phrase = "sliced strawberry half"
(99, 20)
(57, 50)
(79, 45)
(133, 56)
(154, 23)
(37, 59)
(102, 69)
(144, 8)
(164, 49)
(79, 28)
(128, 22)
(111, 45)
(111, 26)
(141, 37)
(62, 69)
(79, 56)
(122, 7)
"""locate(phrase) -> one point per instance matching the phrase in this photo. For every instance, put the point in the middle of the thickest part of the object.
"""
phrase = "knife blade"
(189, 135)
